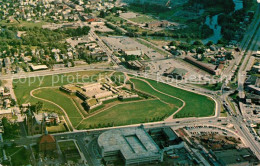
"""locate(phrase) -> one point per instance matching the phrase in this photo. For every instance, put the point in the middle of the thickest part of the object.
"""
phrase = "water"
(212, 22)
(238, 4)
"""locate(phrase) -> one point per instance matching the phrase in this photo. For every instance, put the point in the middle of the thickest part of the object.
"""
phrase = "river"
(212, 22)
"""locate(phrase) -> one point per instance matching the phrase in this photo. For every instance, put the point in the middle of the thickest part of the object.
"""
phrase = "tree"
(209, 43)
(38, 106)
(173, 43)
(198, 43)
(102, 14)
(13, 102)
(200, 50)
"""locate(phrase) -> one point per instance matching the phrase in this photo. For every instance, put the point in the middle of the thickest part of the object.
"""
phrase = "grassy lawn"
(114, 19)
(23, 87)
(19, 155)
(152, 47)
(142, 19)
(143, 86)
(57, 129)
(118, 78)
(129, 113)
(55, 95)
(196, 105)
(65, 145)
(152, 110)
(213, 87)
(24, 23)
(70, 147)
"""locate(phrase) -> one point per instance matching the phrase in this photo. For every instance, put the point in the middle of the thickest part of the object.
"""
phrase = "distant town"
(129, 82)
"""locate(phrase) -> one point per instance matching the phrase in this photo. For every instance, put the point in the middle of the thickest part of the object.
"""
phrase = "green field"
(56, 129)
(24, 23)
(142, 19)
(23, 87)
(58, 97)
(165, 101)
(19, 155)
(118, 78)
(196, 105)
(137, 112)
(129, 113)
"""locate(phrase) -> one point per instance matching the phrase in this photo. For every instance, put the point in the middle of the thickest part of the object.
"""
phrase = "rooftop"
(132, 142)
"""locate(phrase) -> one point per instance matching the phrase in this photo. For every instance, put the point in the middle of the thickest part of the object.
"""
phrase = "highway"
(250, 43)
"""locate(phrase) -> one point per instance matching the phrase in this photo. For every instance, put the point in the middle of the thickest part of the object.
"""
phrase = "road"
(240, 126)
(250, 43)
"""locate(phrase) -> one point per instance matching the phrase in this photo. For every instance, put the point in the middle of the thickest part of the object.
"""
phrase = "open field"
(165, 101)
(56, 129)
(142, 19)
(24, 86)
(196, 105)
(70, 149)
(56, 96)
(130, 113)
(118, 78)
(24, 23)
(19, 155)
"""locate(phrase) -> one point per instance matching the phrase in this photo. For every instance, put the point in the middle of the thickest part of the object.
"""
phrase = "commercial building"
(39, 67)
(132, 145)
(234, 157)
(135, 65)
(177, 73)
(201, 66)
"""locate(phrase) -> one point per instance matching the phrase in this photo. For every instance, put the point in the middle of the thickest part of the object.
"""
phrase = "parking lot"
(122, 43)
(160, 66)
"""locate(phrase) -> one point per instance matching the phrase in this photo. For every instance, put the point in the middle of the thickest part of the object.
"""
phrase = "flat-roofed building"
(39, 67)
(202, 66)
(177, 73)
(133, 145)
(103, 94)
(8, 113)
(136, 65)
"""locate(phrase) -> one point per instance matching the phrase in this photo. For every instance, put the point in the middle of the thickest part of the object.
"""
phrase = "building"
(39, 67)
(156, 24)
(165, 137)
(132, 145)
(177, 73)
(47, 143)
(35, 123)
(233, 157)
(201, 65)
(136, 65)
(8, 113)
(134, 52)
